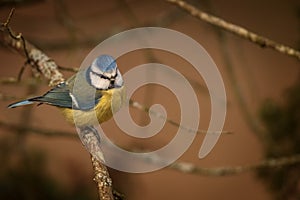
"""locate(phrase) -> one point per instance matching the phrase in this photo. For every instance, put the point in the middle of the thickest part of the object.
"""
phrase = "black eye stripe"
(105, 77)
(111, 80)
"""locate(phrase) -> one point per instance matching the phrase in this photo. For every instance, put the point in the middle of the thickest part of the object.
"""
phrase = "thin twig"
(69, 69)
(184, 167)
(11, 13)
(252, 122)
(5, 97)
(35, 130)
(163, 20)
(35, 57)
(237, 30)
(141, 107)
(234, 170)
(8, 80)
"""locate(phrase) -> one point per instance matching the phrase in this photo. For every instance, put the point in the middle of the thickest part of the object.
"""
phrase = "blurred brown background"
(35, 166)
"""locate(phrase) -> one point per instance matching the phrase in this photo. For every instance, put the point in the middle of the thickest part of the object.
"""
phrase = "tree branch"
(35, 57)
(234, 170)
(184, 167)
(237, 30)
(141, 107)
(49, 69)
(39, 131)
(102, 179)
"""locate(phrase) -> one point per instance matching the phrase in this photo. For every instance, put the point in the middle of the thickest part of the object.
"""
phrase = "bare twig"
(9, 17)
(8, 80)
(237, 30)
(233, 170)
(184, 167)
(48, 68)
(39, 131)
(162, 20)
(5, 97)
(170, 121)
(65, 20)
(34, 56)
(252, 122)
(69, 69)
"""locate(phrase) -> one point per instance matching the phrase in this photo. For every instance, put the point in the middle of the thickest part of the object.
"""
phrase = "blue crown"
(106, 63)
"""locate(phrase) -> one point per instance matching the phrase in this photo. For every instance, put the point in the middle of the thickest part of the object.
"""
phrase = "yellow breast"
(110, 102)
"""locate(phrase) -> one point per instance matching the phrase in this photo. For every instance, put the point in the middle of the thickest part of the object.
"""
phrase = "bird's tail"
(22, 103)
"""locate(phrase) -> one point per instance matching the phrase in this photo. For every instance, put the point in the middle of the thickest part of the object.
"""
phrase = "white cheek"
(98, 82)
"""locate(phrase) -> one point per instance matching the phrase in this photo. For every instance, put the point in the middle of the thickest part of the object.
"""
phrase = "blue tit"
(89, 97)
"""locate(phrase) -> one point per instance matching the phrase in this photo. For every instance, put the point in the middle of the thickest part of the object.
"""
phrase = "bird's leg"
(90, 138)
(86, 130)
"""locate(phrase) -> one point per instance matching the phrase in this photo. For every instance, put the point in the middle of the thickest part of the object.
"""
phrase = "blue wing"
(57, 96)
(76, 93)
(61, 96)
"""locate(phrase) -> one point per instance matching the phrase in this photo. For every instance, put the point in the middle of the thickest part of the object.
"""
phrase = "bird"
(89, 97)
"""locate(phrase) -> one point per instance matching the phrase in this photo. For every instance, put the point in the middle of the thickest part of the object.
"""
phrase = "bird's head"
(104, 73)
